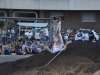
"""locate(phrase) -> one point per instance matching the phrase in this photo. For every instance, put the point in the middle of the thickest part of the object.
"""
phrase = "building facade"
(74, 13)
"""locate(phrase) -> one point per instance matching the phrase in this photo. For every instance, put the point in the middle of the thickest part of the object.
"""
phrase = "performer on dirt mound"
(57, 38)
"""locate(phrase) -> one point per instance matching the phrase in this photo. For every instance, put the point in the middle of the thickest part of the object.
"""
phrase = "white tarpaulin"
(32, 24)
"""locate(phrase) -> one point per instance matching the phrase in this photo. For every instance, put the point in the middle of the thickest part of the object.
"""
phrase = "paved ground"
(8, 58)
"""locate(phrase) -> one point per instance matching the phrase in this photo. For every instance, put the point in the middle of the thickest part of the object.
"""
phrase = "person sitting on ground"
(3, 48)
(19, 50)
(12, 47)
(48, 44)
(41, 46)
(7, 49)
(35, 48)
(19, 39)
(8, 41)
(72, 35)
(28, 48)
(91, 36)
(80, 35)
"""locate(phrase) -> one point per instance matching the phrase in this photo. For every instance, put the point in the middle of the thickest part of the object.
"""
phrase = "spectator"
(8, 41)
(62, 33)
(35, 48)
(4, 36)
(40, 46)
(80, 35)
(7, 49)
(42, 35)
(69, 31)
(28, 47)
(91, 36)
(8, 33)
(32, 38)
(12, 47)
(72, 35)
(48, 44)
(0, 47)
(12, 35)
(19, 39)
(19, 50)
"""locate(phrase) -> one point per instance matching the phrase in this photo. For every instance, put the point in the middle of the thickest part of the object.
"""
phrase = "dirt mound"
(80, 58)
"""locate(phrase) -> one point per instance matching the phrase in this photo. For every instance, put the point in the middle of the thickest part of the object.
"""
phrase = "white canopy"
(32, 24)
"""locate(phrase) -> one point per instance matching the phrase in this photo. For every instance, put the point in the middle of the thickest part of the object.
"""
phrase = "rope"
(51, 59)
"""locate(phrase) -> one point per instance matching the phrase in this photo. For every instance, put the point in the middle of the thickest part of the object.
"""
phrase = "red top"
(72, 33)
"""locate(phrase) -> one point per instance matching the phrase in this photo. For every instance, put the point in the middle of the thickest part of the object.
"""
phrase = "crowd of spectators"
(72, 33)
(10, 43)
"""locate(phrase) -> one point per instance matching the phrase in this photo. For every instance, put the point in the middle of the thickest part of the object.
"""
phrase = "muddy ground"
(80, 58)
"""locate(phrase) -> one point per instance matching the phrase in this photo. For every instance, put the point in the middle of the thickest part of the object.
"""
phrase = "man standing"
(12, 35)
(42, 34)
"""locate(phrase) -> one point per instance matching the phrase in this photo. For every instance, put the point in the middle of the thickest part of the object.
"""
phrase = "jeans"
(71, 38)
(43, 39)
(12, 39)
(4, 40)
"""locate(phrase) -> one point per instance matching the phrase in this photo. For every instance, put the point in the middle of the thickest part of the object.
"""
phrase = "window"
(88, 17)
(1, 14)
(1, 24)
(58, 14)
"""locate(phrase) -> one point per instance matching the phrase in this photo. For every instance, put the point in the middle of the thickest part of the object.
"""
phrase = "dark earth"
(80, 58)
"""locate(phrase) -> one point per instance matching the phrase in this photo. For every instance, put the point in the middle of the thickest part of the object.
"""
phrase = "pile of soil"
(80, 58)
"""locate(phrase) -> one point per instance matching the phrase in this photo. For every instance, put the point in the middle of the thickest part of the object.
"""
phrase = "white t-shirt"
(29, 34)
(23, 47)
(56, 49)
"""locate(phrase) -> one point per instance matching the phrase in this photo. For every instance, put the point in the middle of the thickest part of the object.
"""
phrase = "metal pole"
(19, 29)
(53, 58)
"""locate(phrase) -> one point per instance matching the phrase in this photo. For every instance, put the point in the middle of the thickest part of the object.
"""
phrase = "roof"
(32, 24)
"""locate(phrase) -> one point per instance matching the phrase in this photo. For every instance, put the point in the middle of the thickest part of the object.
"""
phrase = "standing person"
(4, 36)
(12, 35)
(57, 38)
(62, 33)
(42, 35)
(68, 32)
